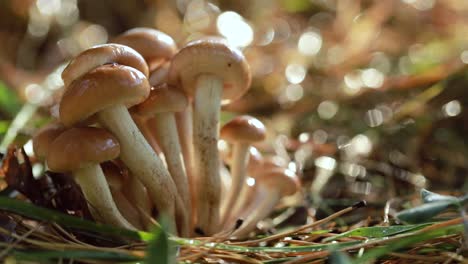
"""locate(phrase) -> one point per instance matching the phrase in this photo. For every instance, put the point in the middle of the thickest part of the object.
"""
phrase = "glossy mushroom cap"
(152, 44)
(80, 147)
(211, 56)
(286, 181)
(100, 55)
(100, 88)
(44, 137)
(162, 98)
(244, 129)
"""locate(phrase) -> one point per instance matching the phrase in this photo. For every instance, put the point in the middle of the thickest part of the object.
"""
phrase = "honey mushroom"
(210, 72)
(159, 108)
(270, 187)
(116, 182)
(44, 137)
(254, 167)
(86, 148)
(107, 91)
(241, 131)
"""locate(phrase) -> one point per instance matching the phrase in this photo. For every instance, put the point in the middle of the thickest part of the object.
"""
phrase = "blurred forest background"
(364, 99)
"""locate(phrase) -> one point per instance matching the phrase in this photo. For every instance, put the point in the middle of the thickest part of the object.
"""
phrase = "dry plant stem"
(138, 195)
(240, 155)
(169, 140)
(304, 227)
(264, 202)
(96, 191)
(143, 162)
(206, 108)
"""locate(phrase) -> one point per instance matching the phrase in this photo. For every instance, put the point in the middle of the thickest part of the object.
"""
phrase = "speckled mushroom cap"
(162, 98)
(44, 137)
(286, 181)
(100, 88)
(80, 147)
(243, 128)
(152, 44)
(211, 56)
(100, 55)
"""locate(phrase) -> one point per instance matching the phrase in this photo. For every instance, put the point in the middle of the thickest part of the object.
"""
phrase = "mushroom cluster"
(138, 129)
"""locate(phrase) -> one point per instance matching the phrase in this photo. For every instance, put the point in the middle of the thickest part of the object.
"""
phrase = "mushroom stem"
(165, 124)
(126, 208)
(241, 205)
(264, 202)
(96, 191)
(184, 126)
(207, 105)
(147, 133)
(143, 162)
(240, 153)
(138, 195)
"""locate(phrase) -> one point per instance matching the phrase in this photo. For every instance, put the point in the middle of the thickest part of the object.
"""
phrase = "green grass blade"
(54, 255)
(407, 241)
(376, 231)
(42, 214)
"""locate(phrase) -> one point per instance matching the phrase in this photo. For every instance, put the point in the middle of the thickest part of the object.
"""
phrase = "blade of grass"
(51, 255)
(376, 231)
(29, 210)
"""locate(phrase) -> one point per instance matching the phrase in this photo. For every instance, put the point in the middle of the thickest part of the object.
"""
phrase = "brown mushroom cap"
(211, 56)
(100, 55)
(152, 44)
(80, 147)
(286, 181)
(243, 128)
(100, 88)
(44, 137)
(162, 98)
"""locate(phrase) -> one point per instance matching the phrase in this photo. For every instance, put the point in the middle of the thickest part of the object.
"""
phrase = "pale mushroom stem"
(150, 138)
(240, 153)
(184, 126)
(143, 162)
(126, 208)
(138, 195)
(264, 202)
(96, 191)
(168, 137)
(241, 205)
(207, 105)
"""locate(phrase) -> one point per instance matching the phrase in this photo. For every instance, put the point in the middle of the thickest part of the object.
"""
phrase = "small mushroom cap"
(44, 137)
(285, 180)
(100, 88)
(211, 56)
(162, 98)
(244, 129)
(100, 55)
(80, 147)
(152, 44)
